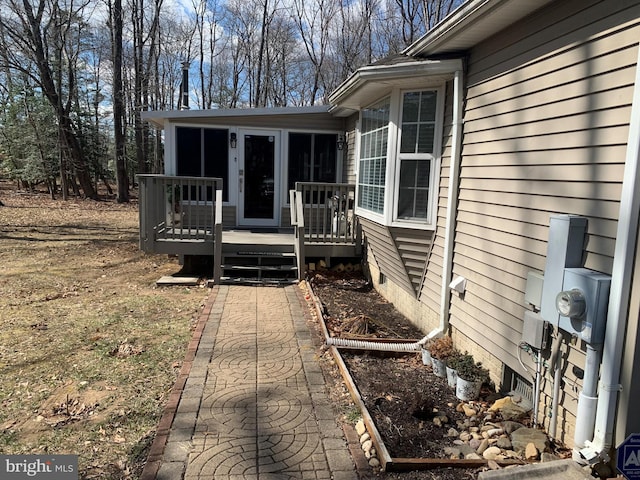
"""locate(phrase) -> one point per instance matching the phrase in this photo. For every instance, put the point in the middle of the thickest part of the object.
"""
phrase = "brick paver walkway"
(250, 402)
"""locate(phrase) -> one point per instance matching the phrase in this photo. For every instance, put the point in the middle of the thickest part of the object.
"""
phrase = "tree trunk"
(118, 104)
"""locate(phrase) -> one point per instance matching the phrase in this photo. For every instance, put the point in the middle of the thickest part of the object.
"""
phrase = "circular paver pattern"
(244, 410)
(281, 456)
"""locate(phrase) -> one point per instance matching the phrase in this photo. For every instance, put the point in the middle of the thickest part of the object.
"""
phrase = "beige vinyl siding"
(545, 132)
(349, 160)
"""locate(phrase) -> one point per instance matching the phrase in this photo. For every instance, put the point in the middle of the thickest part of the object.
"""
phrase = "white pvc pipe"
(587, 400)
(452, 202)
(621, 277)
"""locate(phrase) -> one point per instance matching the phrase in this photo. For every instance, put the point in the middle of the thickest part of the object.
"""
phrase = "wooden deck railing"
(323, 214)
(181, 215)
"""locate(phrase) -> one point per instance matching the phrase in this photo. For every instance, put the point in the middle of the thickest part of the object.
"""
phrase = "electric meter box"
(594, 286)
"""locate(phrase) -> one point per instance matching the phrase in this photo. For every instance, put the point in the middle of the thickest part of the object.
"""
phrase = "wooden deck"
(183, 216)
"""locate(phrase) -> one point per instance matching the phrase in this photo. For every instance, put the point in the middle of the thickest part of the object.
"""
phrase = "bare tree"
(145, 21)
(116, 22)
(42, 40)
(313, 20)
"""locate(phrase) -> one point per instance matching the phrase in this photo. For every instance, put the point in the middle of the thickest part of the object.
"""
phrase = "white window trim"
(392, 174)
(434, 172)
(360, 211)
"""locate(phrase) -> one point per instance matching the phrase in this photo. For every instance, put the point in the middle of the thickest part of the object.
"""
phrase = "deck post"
(217, 237)
(296, 205)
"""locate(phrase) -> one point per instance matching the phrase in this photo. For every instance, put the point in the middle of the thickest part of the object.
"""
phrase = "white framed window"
(372, 163)
(416, 155)
(405, 174)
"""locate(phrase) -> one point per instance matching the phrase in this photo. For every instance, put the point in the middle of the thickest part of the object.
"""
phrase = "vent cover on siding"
(519, 386)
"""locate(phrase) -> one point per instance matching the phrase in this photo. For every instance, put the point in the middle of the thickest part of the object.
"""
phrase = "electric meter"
(582, 304)
(571, 303)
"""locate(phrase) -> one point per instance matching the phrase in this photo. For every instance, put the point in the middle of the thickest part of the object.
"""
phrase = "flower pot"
(426, 357)
(452, 376)
(468, 390)
(439, 367)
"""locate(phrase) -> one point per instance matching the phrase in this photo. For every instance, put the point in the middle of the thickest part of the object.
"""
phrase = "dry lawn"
(89, 346)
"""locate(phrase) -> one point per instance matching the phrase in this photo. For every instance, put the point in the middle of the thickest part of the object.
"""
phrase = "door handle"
(240, 184)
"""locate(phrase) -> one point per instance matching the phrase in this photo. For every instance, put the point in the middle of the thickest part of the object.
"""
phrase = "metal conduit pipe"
(556, 368)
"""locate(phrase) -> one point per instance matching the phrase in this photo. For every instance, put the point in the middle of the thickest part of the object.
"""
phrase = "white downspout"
(452, 202)
(621, 276)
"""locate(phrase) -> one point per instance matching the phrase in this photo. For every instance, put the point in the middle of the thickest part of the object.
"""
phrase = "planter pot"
(468, 390)
(452, 377)
(439, 367)
(426, 357)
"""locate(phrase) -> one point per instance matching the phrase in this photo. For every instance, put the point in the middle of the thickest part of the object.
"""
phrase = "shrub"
(470, 370)
(442, 348)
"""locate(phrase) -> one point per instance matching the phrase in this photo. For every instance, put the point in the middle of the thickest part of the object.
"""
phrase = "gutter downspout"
(621, 277)
(452, 202)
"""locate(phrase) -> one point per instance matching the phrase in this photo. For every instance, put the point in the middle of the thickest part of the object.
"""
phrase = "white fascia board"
(354, 92)
(471, 23)
(161, 117)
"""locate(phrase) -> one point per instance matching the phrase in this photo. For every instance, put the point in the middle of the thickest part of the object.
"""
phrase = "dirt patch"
(401, 394)
(90, 347)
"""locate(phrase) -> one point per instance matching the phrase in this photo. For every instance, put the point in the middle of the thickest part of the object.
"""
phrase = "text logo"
(50, 467)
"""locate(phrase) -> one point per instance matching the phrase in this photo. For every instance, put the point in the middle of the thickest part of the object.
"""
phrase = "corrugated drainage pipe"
(377, 346)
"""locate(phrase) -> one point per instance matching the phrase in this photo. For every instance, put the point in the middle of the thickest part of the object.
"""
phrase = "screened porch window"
(203, 152)
(312, 158)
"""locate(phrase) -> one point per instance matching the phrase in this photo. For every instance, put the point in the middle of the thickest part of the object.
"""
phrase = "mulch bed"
(400, 393)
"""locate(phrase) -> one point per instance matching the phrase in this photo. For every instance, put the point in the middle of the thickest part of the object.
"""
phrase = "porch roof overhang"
(161, 117)
(471, 23)
(370, 83)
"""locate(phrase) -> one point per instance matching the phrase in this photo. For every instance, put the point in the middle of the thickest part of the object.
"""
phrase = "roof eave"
(375, 77)
(473, 22)
(161, 117)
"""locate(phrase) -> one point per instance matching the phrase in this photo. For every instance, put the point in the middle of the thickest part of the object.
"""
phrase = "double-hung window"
(416, 155)
(372, 166)
(398, 159)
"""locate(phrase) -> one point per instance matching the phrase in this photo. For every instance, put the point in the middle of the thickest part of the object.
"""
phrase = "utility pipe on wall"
(621, 277)
(452, 203)
(556, 367)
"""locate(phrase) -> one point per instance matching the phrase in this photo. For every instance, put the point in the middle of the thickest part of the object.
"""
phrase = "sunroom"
(250, 189)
